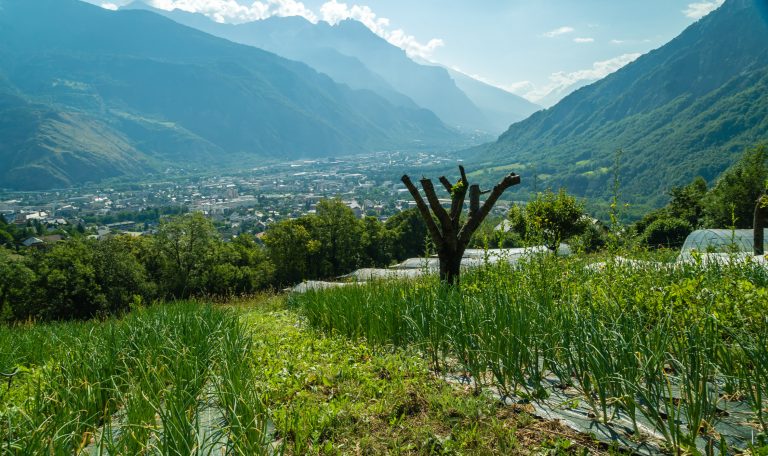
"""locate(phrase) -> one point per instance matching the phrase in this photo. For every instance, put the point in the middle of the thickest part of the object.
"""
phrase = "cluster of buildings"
(243, 201)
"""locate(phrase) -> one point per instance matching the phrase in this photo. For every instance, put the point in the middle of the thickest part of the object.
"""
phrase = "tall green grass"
(136, 385)
(643, 340)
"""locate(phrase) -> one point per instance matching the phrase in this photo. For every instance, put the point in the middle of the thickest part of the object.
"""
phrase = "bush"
(667, 232)
(550, 218)
(593, 238)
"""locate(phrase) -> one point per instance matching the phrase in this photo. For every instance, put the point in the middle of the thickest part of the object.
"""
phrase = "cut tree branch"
(434, 231)
(457, 200)
(463, 175)
(447, 184)
(477, 218)
(437, 208)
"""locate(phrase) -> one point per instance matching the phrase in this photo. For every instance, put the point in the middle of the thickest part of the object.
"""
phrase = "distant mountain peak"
(136, 91)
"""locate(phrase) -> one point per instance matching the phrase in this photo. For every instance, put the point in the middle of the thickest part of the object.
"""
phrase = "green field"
(244, 378)
(679, 354)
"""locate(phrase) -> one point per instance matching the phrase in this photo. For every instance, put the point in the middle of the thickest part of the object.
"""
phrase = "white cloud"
(618, 41)
(520, 87)
(700, 9)
(230, 11)
(559, 31)
(109, 6)
(583, 40)
(334, 12)
(561, 82)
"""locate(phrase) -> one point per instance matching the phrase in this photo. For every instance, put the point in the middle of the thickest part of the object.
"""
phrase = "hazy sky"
(534, 48)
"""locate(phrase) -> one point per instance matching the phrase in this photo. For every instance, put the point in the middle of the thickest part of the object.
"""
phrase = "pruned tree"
(451, 237)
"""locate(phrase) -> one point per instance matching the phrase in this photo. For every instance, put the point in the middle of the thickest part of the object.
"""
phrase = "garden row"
(140, 385)
(674, 348)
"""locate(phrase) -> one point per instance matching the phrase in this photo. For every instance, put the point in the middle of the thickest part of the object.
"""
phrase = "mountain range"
(87, 93)
(352, 54)
(687, 109)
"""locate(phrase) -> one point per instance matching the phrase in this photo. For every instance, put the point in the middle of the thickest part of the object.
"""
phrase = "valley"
(312, 227)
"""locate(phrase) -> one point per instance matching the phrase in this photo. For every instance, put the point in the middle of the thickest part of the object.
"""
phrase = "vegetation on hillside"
(677, 112)
(730, 203)
(150, 92)
(82, 278)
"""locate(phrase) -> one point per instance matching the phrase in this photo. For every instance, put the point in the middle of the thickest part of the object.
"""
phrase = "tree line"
(82, 278)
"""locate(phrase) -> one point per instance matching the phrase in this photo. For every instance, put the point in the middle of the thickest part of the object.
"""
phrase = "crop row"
(143, 384)
(675, 346)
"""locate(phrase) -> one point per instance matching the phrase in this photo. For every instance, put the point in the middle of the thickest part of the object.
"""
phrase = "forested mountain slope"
(686, 109)
(87, 93)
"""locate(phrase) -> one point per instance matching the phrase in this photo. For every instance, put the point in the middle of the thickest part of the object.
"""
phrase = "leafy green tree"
(408, 232)
(67, 286)
(185, 245)
(377, 243)
(687, 202)
(120, 274)
(16, 285)
(290, 245)
(340, 235)
(554, 217)
(735, 194)
(240, 267)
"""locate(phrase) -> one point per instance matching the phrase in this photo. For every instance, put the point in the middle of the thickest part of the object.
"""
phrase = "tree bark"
(450, 265)
(450, 238)
(759, 224)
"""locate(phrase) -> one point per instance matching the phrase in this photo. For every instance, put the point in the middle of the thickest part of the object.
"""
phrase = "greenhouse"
(720, 241)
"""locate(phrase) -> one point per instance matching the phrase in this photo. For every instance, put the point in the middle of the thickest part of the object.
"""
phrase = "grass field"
(677, 347)
(245, 378)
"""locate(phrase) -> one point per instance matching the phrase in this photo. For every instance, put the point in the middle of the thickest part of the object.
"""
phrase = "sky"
(539, 49)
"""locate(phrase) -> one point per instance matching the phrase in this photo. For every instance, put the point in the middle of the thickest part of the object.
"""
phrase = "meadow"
(678, 351)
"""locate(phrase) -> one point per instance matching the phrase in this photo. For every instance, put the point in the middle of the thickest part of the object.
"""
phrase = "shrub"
(666, 232)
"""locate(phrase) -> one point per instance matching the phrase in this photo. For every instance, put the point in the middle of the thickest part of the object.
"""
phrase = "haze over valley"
(261, 227)
(128, 90)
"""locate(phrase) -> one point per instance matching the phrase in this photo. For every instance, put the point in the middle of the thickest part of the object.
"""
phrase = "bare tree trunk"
(761, 210)
(450, 266)
(450, 237)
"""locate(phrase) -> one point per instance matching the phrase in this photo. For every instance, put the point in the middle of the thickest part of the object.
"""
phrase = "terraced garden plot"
(242, 379)
(675, 356)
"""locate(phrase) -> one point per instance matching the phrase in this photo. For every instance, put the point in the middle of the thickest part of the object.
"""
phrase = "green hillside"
(352, 54)
(95, 93)
(686, 109)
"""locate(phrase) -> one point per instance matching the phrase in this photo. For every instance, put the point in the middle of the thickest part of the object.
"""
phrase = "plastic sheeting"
(720, 242)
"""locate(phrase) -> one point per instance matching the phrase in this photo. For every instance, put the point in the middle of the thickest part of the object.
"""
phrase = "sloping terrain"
(123, 90)
(686, 109)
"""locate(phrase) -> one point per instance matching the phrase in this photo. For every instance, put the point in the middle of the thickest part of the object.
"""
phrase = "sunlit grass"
(643, 339)
(243, 378)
